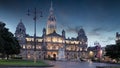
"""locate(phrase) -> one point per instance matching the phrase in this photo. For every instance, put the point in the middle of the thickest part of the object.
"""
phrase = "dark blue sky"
(99, 18)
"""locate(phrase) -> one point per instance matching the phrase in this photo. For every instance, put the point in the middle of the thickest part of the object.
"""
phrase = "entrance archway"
(54, 56)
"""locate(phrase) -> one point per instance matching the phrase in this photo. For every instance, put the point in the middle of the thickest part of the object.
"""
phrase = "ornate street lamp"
(35, 17)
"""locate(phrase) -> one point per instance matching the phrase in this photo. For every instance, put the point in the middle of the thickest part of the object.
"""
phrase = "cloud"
(73, 29)
(96, 31)
(109, 39)
(69, 28)
(100, 30)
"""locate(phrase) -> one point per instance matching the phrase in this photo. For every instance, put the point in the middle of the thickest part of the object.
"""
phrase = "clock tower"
(51, 23)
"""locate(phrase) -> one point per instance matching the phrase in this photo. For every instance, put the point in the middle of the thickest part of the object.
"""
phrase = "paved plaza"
(79, 64)
(60, 64)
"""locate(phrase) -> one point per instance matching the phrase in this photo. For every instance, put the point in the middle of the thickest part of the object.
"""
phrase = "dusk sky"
(99, 18)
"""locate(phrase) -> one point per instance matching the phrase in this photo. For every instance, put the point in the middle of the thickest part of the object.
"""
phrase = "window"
(23, 46)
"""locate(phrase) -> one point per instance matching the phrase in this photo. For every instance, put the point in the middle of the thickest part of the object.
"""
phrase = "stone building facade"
(48, 45)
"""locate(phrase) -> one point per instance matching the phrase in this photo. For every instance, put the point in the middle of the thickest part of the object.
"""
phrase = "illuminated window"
(80, 49)
(50, 47)
(63, 41)
(28, 47)
(33, 47)
(54, 47)
(38, 47)
(54, 39)
(67, 41)
(48, 39)
(77, 48)
(76, 42)
(60, 40)
(28, 56)
(72, 42)
(68, 48)
(39, 40)
(29, 39)
(91, 53)
(80, 42)
(23, 46)
(85, 49)
(57, 47)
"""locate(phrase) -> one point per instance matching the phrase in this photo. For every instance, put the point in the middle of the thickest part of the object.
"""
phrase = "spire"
(51, 8)
(51, 24)
(20, 20)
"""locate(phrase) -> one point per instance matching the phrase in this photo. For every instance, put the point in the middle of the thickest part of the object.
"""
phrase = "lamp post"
(79, 51)
(35, 17)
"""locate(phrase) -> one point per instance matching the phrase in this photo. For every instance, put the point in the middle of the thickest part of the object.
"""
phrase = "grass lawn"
(22, 63)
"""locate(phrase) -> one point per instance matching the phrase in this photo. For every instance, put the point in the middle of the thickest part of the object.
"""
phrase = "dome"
(81, 32)
(20, 28)
(21, 25)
